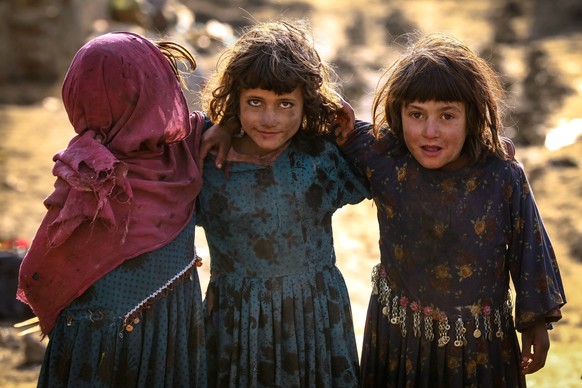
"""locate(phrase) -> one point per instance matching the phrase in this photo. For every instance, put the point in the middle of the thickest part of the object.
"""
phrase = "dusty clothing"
(278, 311)
(126, 183)
(439, 314)
(141, 325)
(111, 271)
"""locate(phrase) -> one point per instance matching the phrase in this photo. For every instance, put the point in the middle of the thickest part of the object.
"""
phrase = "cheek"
(461, 136)
(295, 119)
(297, 113)
(459, 142)
(409, 134)
(247, 115)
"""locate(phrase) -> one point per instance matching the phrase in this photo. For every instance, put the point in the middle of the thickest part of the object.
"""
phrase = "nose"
(269, 117)
(431, 128)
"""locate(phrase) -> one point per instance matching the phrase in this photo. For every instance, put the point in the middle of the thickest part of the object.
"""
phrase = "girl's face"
(269, 120)
(435, 132)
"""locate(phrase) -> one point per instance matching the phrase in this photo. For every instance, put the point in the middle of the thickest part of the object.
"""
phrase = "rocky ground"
(349, 35)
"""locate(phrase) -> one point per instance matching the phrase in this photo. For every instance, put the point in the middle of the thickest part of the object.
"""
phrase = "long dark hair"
(279, 56)
(439, 67)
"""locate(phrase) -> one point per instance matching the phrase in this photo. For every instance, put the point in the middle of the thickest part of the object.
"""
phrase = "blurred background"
(535, 44)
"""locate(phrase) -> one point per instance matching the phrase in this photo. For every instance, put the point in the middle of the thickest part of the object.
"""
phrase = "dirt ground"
(32, 134)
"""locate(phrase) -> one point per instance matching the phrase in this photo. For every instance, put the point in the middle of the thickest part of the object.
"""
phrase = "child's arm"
(344, 120)
(535, 274)
(535, 345)
(217, 137)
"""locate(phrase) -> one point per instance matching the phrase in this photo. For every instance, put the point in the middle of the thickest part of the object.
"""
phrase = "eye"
(447, 116)
(286, 104)
(254, 102)
(415, 115)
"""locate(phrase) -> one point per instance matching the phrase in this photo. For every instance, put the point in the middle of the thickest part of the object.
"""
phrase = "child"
(457, 219)
(111, 273)
(278, 311)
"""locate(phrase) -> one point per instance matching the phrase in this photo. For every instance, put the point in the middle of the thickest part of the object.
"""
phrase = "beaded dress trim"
(429, 321)
(132, 317)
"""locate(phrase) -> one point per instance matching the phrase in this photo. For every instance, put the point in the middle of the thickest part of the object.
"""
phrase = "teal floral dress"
(278, 310)
(141, 325)
(440, 314)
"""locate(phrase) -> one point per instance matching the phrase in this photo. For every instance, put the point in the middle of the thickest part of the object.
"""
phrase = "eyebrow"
(442, 108)
(279, 98)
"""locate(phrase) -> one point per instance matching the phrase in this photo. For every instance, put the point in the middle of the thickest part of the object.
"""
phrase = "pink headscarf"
(126, 184)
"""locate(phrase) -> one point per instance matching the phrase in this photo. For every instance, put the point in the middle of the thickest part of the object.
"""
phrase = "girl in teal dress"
(278, 311)
(112, 271)
(457, 220)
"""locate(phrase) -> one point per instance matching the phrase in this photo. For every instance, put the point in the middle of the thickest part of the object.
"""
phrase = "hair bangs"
(267, 72)
(435, 83)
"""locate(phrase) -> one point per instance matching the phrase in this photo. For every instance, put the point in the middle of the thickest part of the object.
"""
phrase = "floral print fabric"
(450, 242)
(278, 311)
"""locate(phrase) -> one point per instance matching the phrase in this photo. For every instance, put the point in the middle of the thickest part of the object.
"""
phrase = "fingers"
(343, 126)
(531, 363)
(205, 148)
(347, 115)
(535, 345)
(221, 155)
(217, 138)
(202, 153)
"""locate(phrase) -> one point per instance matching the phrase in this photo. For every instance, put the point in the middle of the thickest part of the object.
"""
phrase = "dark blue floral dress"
(278, 309)
(141, 325)
(440, 314)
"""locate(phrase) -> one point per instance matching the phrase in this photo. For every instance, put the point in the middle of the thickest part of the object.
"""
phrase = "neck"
(241, 152)
(460, 162)
(245, 146)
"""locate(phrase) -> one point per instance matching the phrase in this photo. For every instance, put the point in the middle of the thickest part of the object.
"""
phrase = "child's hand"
(216, 137)
(535, 345)
(344, 121)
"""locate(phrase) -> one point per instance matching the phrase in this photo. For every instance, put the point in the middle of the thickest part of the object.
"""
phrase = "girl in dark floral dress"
(111, 273)
(457, 221)
(278, 311)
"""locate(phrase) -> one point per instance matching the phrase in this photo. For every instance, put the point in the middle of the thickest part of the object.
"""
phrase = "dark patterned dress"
(440, 314)
(278, 308)
(141, 325)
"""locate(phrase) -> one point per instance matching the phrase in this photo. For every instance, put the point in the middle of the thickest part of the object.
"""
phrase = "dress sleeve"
(357, 146)
(352, 186)
(199, 122)
(533, 265)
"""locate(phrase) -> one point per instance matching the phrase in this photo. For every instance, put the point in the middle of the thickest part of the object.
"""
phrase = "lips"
(265, 133)
(431, 149)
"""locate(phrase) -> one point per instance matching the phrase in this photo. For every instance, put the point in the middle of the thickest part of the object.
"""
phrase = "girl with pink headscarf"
(111, 273)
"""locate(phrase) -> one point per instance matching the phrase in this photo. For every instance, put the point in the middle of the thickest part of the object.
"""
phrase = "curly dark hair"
(438, 67)
(279, 56)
